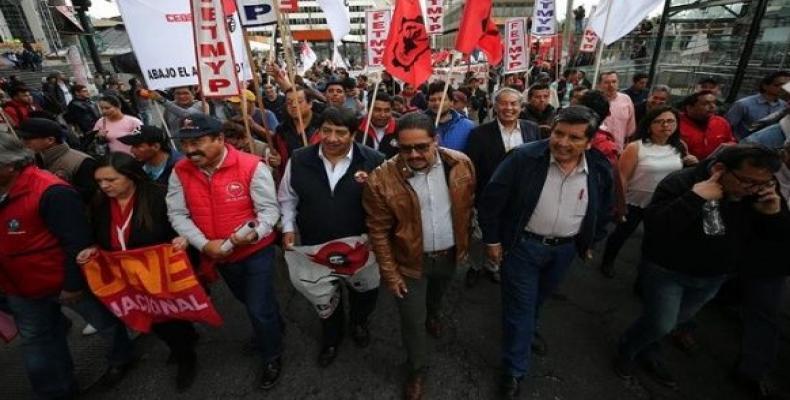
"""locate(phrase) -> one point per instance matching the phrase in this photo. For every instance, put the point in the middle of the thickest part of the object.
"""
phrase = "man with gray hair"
(45, 227)
(488, 144)
(659, 95)
(546, 202)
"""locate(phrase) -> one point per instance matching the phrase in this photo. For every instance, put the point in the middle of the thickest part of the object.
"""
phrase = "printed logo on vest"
(14, 227)
(235, 189)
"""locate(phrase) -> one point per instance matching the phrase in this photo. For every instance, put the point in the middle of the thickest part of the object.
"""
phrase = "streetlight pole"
(81, 7)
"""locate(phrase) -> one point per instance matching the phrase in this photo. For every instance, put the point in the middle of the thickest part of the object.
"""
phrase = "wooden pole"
(372, 101)
(446, 87)
(167, 128)
(246, 118)
(285, 34)
(600, 49)
(257, 86)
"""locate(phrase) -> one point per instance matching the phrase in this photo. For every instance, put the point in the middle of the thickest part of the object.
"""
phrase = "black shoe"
(539, 346)
(328, 354)
(360, 334)
(509, 388)
(624, 367)
(271, 373)
(659, 372)
(472, 277)
(187, 370)
(607, 269)
(115, 374)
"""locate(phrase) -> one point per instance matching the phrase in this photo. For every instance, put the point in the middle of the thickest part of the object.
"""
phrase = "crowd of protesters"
(538, 172)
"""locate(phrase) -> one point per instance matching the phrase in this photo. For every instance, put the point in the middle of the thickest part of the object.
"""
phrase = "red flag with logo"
(478, 30)
(407, 55)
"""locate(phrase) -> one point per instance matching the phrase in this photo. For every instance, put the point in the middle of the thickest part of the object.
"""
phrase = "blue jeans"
(251, 281)
(530, 273)
(42, 329)
(669, 298)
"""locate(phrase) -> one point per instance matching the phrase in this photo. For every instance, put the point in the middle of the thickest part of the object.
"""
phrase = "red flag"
(407, 55)
(478, 30)
(229, 7)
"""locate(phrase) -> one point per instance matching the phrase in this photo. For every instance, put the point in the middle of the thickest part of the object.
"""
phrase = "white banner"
(256, 12)
(163, 42)
(337, 18)
(516, 45)
(213, 50)
(544, 18)
(378, 27)
(314, 269)
(589, 41)
(434, 21)
(624, 16)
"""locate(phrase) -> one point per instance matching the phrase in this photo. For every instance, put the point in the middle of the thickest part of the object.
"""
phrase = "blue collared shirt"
(748, 110)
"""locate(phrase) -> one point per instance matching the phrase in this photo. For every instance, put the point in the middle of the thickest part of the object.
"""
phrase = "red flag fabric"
(407, 55)
(229, 7)
(478, 30)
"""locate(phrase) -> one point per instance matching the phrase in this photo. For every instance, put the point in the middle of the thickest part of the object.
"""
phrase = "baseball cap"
(143, 134)
(249, 95)
(197, 125)
(39, 128)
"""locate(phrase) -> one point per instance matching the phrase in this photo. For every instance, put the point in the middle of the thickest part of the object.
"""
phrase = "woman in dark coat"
(130, 212)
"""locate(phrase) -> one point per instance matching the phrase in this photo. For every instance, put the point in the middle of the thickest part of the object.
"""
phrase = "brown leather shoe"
(434, 327)
(414, 387)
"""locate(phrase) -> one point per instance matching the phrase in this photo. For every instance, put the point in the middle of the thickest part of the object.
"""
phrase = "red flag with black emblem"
(407, 55)
(478, 30)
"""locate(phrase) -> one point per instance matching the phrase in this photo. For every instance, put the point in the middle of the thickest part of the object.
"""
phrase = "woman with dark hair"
(114, 124)
(655, 151)
(130, 212)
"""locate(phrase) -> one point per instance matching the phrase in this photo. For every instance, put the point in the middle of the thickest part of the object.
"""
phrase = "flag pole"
(446, 87)
(529, 56)
(285, 35)
(370, 111)
(167, 128)
(602, 43)
(256, 85)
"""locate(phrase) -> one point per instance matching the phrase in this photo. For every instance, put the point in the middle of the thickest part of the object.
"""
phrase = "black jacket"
(159, 233)
(674, 237)
(83, 114)
(486, 149)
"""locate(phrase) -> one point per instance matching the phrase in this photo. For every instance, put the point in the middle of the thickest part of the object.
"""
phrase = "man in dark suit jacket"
(488, 144)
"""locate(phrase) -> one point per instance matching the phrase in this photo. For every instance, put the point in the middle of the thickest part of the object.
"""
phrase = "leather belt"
(440, 253)
(548, 241)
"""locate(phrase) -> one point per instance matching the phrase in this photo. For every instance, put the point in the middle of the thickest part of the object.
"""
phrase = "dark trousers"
(362, 305)
(423, 301)
(251, 281)
(621, 233)
(760, 313)
(530, 273)
(180, 337)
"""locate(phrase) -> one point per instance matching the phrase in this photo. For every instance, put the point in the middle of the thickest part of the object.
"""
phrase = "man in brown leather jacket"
(419, 208)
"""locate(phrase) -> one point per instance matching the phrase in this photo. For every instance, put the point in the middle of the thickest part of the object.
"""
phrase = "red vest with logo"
(31, 259)
(218, 206)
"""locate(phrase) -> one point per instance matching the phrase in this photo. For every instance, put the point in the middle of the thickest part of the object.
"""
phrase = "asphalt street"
(581, 325)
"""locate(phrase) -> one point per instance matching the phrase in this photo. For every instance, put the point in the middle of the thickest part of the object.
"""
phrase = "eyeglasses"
(752, 184)
(421, 148)
(664, 122)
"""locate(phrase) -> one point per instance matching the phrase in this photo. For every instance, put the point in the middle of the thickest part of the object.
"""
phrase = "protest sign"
(163, 42)
(544, 18)
(589, 41)
(149, 285)
(378, 27)
(213, 50)
(516, 46)
(434, 13)
(256, 12)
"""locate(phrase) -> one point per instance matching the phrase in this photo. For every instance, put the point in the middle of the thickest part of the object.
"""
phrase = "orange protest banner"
(149, 285)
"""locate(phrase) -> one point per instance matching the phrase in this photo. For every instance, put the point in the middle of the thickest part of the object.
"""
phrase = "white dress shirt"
(435, 208)
(288, 197)
(563, 202)
(510, 137)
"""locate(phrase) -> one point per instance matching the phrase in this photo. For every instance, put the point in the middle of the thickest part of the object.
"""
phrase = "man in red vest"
(214, 191)
(43, 228)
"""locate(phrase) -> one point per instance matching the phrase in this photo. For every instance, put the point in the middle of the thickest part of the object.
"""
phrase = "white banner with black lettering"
(315, 270)
(163, 41)
(544, 18)
(256, 12)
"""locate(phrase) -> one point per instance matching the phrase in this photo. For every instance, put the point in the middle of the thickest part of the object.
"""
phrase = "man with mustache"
(546, 202)
(488, 144)
(212, 192)
(419, 207)
(321, 199)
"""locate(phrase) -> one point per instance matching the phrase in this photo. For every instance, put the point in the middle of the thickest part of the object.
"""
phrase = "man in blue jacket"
(547, 201)
(454, 129)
